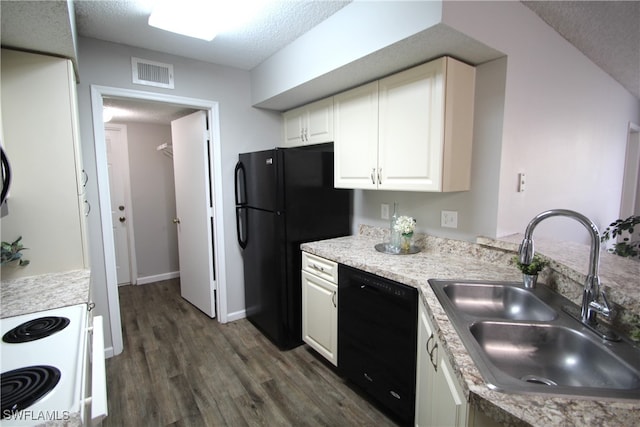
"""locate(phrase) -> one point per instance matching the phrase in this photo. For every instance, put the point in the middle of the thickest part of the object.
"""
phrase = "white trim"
(158, 277)
(631, 172)
(97, 94)
(133, 261)
(236, 315)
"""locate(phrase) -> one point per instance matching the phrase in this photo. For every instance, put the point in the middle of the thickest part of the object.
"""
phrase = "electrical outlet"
(384, 211)
(449, 219)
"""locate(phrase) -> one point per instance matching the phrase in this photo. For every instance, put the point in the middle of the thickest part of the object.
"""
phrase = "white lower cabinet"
(320, 305)
(439, 397)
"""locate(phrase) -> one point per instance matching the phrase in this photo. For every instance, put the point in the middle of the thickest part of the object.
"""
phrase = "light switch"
(384, 211)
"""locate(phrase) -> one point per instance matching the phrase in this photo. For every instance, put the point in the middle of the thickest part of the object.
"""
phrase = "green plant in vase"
(11, 252)
(530, 271)
(627, 248)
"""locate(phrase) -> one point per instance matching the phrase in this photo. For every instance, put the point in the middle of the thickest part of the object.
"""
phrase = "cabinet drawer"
(321, 267)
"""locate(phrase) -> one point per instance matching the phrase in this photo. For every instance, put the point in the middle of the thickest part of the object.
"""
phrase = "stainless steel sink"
(553, 355)
(523, 341)
(497, 301)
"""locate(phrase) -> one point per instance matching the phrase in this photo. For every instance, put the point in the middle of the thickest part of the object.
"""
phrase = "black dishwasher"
(377, 328)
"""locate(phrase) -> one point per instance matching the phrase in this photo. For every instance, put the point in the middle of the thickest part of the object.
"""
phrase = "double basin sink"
(524, 341)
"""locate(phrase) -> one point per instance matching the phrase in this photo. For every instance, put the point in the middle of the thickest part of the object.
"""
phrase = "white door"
(118, 168)
(194, 210)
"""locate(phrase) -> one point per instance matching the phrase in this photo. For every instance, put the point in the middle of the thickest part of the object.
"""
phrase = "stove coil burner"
(23, 387)
(35, 329)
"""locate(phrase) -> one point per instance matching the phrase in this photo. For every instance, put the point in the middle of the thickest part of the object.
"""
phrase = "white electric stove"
(46, 367)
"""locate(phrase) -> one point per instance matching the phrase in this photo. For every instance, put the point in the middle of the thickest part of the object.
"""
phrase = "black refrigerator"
(284, 197)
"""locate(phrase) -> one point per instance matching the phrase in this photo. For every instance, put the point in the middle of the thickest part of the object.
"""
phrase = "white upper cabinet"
(47, 205)
(411, 131)
(309, 124)
(356, 137)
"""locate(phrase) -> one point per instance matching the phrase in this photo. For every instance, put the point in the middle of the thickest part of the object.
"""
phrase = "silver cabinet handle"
(333, 299)
(434, 349)
(316, 267)
(380, 176)
(373, 178)
(88, 208)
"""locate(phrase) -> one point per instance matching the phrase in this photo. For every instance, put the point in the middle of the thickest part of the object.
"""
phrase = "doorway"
(630, 204)
(98, 93)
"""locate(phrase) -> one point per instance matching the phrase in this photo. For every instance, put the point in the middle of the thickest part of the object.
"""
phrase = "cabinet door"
(356, 137)
(309, 124)
(425, 369)
(320, 316)
(449, 407)
(439, 397)
(319, 126)
(293, 125)
(41, 141)
(411, 119)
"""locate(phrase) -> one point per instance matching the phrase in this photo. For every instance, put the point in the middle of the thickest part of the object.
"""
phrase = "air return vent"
(152, 73)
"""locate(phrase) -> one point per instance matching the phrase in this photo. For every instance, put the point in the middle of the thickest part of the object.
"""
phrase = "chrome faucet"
(592, 292)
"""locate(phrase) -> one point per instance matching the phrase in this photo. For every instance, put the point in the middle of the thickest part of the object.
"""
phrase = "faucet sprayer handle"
(526, 251)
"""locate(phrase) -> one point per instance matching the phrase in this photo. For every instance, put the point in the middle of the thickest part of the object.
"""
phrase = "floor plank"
(181, 368)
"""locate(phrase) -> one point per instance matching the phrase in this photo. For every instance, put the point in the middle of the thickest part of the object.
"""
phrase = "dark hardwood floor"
(181, 368)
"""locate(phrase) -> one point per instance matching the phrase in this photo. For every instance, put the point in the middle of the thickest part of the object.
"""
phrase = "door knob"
(122, 219)
(176, 220)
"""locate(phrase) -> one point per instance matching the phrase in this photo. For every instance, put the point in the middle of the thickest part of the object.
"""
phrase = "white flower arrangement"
(405, 225)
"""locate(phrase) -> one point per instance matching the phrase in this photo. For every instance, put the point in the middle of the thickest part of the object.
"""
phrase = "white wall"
(565, 121)
(153, 200)
(242, 128)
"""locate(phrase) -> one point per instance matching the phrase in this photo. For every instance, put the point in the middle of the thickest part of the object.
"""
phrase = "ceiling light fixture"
(202, 19)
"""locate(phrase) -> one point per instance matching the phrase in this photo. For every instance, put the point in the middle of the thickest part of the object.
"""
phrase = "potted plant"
(11, 252)
(623, 228)
(530, 271)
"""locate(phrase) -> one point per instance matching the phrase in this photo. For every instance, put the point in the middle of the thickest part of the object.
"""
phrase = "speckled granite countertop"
(44, 292)
(450, 259)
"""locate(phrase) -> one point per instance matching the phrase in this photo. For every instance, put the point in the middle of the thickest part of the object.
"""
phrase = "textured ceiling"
(277, 24)
(607, 32)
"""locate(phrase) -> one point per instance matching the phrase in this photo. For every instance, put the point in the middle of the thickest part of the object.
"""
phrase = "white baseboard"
(108, 352)
(158, 277)
(236, 315)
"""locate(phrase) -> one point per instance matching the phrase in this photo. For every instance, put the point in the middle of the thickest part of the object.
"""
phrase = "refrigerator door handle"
(241, 227)
(240, 184)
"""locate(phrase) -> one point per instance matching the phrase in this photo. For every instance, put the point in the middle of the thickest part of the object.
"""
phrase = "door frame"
(631, 172)
(215, 169)
(131, 256)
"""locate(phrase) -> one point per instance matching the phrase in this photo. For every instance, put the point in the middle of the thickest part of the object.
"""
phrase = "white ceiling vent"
(152, 73)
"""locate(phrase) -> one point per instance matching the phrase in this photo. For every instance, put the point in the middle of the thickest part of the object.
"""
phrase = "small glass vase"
(405, 242)
(529, 280)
